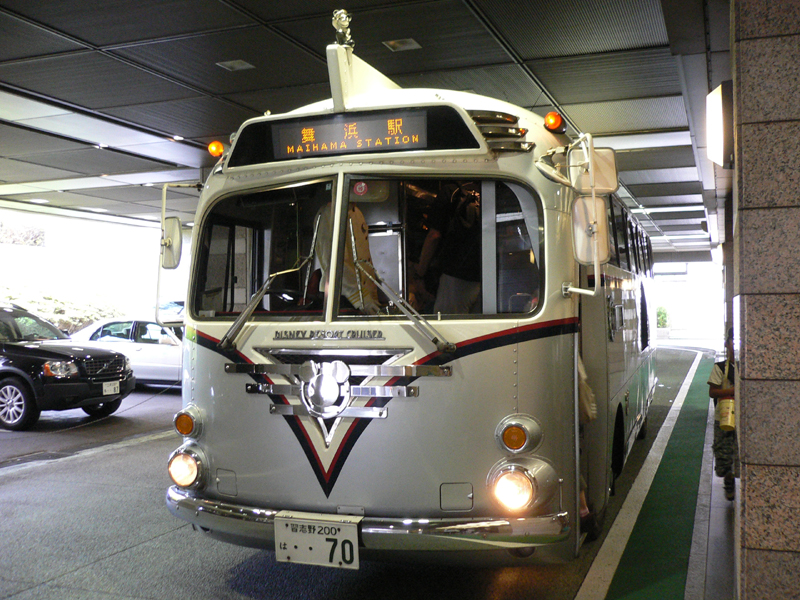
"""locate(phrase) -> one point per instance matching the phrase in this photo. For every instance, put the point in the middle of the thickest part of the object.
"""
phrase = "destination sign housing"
(351, 133)
(389, 130)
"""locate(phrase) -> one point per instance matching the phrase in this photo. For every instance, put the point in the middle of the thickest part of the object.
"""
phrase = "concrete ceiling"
(101, 103)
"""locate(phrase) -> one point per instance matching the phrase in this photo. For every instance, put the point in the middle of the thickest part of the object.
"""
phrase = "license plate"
(316, 539)
(110, 387)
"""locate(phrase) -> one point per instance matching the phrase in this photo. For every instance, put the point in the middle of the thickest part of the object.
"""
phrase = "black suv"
(41, 370)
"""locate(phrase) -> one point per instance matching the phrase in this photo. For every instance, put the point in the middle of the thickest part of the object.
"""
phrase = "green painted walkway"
(655, 562)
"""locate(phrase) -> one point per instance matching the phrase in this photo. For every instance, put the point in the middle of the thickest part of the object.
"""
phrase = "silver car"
(154, 351)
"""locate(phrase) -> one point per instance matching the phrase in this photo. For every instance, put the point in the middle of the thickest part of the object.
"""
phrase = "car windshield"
(18, 326)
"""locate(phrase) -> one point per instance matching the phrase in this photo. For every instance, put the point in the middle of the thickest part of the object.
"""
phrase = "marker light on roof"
(555, 123)
(216, 148)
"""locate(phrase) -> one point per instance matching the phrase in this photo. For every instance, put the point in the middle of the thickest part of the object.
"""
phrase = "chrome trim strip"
(255, 527)
(492, 117)
(499, 131)
(355, 370)
(356, 391)
(505, 146)
(274, 388)
(384, 391)
(333, 351)
(351, 412)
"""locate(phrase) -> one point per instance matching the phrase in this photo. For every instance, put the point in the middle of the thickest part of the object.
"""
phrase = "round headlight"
(514, 489)
(183, 469)
(186, 467)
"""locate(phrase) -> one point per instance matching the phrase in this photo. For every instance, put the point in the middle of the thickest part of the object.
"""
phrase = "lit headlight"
(186, 467)
(522, 483)
(128, 365)
(514, 489)
(60, 368)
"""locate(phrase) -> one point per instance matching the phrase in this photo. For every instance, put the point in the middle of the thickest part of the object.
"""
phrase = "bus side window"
(225, 274)
(612, 235)
(518, 253)
(633, 245)
(620, 227)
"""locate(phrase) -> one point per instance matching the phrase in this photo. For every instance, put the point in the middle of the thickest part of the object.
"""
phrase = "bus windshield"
(446, 246)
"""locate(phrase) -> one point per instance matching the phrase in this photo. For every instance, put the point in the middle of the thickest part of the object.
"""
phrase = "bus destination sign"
(351, 133)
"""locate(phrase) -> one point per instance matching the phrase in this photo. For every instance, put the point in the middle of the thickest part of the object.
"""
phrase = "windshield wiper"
(420, 323)
(228, 341)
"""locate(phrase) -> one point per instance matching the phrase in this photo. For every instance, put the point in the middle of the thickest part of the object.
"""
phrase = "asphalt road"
(82, 516)
(62, 433)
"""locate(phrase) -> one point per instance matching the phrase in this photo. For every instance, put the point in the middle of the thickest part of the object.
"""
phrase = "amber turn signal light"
(216, 148)
(184, 424)
(514, 437)
(555, 123)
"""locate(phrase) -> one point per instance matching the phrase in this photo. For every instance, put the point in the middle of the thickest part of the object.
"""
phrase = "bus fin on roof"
(349, 75)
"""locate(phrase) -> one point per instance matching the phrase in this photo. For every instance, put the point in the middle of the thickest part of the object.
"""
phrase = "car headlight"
(128, 365)
(187, 467)
(60, 368)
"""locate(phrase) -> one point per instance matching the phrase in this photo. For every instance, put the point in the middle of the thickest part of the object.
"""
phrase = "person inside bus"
(725, 446)
(424, 232)
(587, 412)
(454, 241)
(358, 290)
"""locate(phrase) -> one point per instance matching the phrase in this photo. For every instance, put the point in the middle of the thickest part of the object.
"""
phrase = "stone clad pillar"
(765, 38)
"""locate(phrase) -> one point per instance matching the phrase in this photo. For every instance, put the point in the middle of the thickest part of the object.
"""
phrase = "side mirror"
(590, 230)
(171, 242)
(604, 164)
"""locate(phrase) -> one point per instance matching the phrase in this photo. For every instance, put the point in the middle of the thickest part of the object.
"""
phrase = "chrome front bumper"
(248, 526)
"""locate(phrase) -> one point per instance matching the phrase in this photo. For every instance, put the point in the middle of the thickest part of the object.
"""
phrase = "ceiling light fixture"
(235, 65)
(39, 201)
(402, 45)
(688, 236)
(668, 209)
(719, 125)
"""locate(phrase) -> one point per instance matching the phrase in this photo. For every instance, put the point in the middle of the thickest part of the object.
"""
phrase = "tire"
(18, 410)
(642, 430)
(102, 410)
(618, 447)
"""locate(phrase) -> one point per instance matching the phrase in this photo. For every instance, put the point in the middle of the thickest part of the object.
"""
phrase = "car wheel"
(18, 410)
(102, 410)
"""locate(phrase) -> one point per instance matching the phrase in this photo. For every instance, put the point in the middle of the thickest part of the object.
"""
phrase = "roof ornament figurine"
(341, 23)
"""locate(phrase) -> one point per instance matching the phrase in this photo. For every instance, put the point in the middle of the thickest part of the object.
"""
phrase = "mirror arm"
(567, 289)
(166, 242)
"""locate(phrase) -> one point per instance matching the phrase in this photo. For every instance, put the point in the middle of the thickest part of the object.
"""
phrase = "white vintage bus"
(390, 292)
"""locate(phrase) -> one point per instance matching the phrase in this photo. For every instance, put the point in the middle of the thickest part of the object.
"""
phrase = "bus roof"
(368, 113)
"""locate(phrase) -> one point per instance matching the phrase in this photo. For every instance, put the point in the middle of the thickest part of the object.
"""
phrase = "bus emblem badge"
(325, 388)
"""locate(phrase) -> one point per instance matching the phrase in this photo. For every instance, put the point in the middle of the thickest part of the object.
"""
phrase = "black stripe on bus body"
(467, 348)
